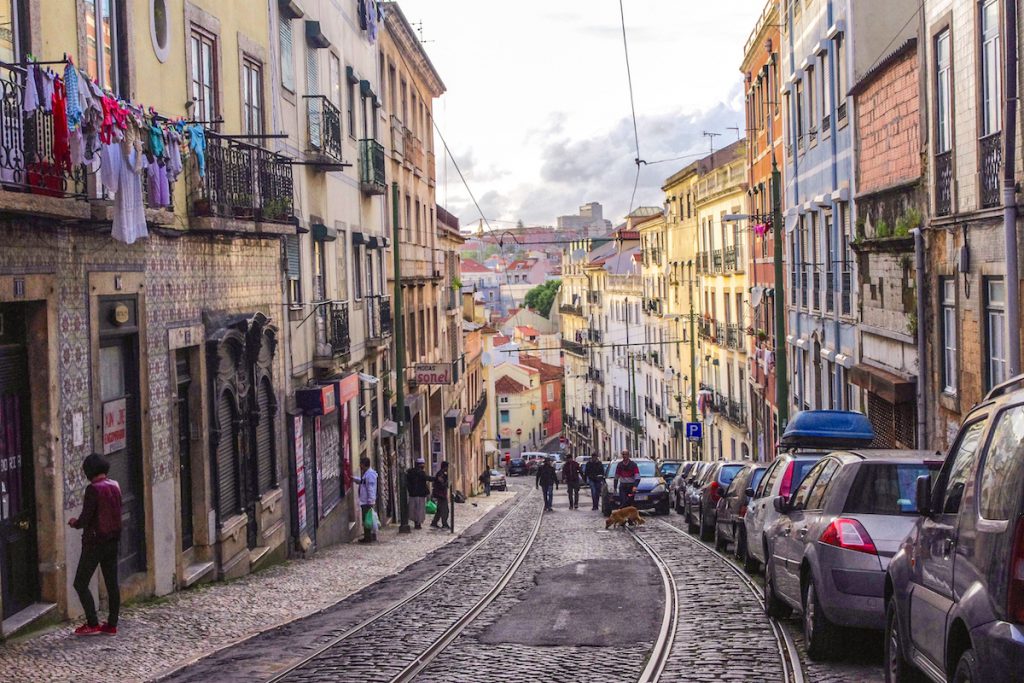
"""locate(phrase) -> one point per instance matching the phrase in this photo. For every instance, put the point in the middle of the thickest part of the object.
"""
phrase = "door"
(754, 521)
(184, 413)
(19, 585)
(931, 595)
(788, 543)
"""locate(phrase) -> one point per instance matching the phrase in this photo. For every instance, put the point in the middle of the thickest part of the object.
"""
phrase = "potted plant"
(762, 336)
(243, 206)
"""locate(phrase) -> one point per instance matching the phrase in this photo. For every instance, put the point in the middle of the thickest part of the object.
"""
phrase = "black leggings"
(104, 556)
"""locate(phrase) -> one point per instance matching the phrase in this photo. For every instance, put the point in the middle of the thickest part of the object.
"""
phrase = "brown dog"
(624, 516)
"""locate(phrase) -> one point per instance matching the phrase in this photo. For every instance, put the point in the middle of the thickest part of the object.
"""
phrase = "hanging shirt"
(174, 165)
(31, 102)
(74, 99)
(126, 185)
(197, 143)
(61, 142)
(45, 81)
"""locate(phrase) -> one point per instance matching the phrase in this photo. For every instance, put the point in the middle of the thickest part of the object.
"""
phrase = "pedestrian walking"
(100, 523)
(367, 499)
(439, 492)
(594, 473)
(572, 478)
(627, 476)
(547, 480)
(485, 479)
(416, 479)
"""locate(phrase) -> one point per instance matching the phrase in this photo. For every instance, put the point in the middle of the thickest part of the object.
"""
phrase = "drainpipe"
(1009, 188)
(922, 352)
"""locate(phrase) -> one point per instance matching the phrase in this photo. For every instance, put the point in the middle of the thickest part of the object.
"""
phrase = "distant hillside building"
(590, 219)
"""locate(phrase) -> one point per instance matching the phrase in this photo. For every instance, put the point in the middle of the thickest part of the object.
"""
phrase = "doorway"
(184, 414)
(19, 582)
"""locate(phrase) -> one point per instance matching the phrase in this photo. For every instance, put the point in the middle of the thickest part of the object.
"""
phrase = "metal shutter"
(313, 89)
(264, 439)
(293, 266)
(227, 459)
(287, 53)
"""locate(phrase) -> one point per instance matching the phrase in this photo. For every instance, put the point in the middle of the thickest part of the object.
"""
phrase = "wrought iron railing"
(595, 335)
(324, 127)
(732, 336)
(595, 375)
(716, 261)
(574, 347)
(569, 309)
(378, 317)
(338, 329)
(371, 167)
(729, 260)
(596, 414)
(479, 409)
(720, 332)
(943, 183)
(242, 181)
(991, 150)
(704, 328)
(830, 291)
(27, 159)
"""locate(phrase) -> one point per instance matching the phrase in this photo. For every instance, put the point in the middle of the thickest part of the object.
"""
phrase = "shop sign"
(115, 426)
(320, 400)
(433, 373)
(300, 472)
(349, 389)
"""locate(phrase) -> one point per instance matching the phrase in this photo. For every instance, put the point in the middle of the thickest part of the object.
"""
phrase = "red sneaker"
(108, 630)
(86, 630)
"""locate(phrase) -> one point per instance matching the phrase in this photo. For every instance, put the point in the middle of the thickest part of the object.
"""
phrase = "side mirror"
(749, 493)
(780, 504)
(924, 495)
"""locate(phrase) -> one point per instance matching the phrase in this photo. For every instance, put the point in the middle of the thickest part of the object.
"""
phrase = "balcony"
(830, 291)
(704, 328)
(654, 357)
(413, 150)
(338, 329)
(594, 298)
(845, 292)
(716, 261)
(574, 348)
(991, 154)
(397, 137)
(243, 182)
(816, 289)
(378, 319)
(595, 375)
(324, 132)
(479, 410)
(720, 332)
(943, 183)
(735, 413)
(431, 168)
(569, 309)
(732, 336)
(371, 167)
(594, 335)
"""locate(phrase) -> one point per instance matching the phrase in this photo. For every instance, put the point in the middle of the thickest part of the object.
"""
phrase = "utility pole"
(693, 352)
(402, 442)
(781, 375)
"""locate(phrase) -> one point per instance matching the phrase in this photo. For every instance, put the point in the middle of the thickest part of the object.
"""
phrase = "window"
(503, 399)
(357, 264)
(551, 392)
(803, 491)
(370, 289)
(823, 86)
(350, 108)
(943, 94)
(812, 99)
(957, 469)
(816, 500)
(334, 74)
(840, 76)
(949, 369)
(252, 97)
(995, 332)
(287, 54)
(1003, 466)
(101, 43)
(885, 489)
(293, 270)
(990, 63)
(342, 247)
(11, 19)
(204, 75)
(798, 105)
(505, 417)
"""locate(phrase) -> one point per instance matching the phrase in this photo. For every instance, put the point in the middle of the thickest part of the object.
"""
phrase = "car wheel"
(749, 562)
(897, 668)
(707, 531)
(720, 543)
(679, 506)
(773, 605)
(819, 632)
(662, 508)
(966, 668)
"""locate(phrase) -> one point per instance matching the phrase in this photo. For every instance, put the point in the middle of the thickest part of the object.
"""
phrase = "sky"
(537, 111)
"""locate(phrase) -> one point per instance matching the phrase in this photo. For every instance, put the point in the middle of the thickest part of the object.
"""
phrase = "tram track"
(662, 649)
(436, 644)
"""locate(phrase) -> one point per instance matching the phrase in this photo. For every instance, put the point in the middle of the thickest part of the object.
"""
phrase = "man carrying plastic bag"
(367, 500)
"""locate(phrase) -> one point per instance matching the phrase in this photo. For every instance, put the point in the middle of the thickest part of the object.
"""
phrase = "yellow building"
(656, 385)
(725, 313)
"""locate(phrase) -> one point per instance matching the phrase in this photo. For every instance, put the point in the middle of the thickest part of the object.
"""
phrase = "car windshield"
(518, 461)
(886, 489)
(670, 468)
(727, 474)
(646, 467)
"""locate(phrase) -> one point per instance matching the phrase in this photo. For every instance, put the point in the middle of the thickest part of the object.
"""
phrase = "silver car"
(829, 549)
(498, 481)
(783, 476)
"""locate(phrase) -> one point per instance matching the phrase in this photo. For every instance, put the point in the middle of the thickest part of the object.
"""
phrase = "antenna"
(735, 128)
(419, 29)
(711, 141)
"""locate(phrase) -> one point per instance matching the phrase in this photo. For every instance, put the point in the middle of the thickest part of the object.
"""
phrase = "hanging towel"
(74, 99)
(197, 143)
(118, 177)
(61, 143)
(31, 102)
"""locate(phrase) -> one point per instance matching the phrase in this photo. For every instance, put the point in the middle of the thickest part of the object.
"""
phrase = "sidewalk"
(157, 635)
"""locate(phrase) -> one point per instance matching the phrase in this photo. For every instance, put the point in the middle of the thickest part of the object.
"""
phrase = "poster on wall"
(300, 473)
(328, 462)
(346, 448)
(115, 426)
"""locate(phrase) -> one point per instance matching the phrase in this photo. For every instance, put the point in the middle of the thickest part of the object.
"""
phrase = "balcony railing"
(732, 336)
(943, 183)
(991, 165)
(716, 261)
(594, 298)
(324, 128)
(702, 259)
(595, 375)
(830, 291)
(574, 347)
(729, 260)
(397, 136)
(27, 161)
(378, 318)
(338, 329)
(413, 149)
(371, 167)
(569, 309)
(595, 335)
(596, 414)
(704, 328)
(479, 410)
(816, 290)
(242, 181)
(720, 332)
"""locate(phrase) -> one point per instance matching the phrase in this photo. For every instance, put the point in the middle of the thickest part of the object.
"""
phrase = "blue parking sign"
(694, 431)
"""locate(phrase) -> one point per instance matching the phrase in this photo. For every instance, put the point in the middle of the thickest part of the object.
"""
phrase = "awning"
(390, 428)
(887, 385)
(358, 238)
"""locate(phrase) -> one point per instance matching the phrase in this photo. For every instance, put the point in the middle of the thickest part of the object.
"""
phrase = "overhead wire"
(632, 107)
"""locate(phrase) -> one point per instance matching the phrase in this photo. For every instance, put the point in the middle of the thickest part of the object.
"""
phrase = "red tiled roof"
(471, 266)
(507, 385)
(548, 372)
(501, 340)
(527, 331)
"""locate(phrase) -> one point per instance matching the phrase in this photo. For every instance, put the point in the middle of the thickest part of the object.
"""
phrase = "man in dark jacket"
(547, 479)
(485, 479)
(440, 494)
(572, 478)
(416, 487)
(594, 474)
(100, 523)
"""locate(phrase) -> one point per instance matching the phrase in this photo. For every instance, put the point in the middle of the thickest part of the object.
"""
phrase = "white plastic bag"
(376, 521)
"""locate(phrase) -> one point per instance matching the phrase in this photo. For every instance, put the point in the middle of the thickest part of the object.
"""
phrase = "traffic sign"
(694, 431)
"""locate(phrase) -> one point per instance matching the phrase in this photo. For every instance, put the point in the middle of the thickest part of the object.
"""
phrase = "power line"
(632, 107)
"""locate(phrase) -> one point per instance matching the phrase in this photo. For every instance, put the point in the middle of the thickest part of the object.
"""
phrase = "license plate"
(640, 496)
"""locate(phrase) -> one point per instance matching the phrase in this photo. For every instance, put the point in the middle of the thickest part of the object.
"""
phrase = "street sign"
(694, 431)
(433, 373)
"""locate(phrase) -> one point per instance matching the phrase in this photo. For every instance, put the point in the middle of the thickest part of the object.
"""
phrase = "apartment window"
(342, 248)
(990, 63)
(204, 75)
(284, 34)
(293, 269)
(949, 370)
(370, 289)
(812, 99)
(252, 97)
(357, 263)
(943, 94)
(551, 392)
(350, 108)
(995, 332)
(823, 86)
(334, 76)
(102, 43)
(392, 98)
(798, 106)
(840, 76)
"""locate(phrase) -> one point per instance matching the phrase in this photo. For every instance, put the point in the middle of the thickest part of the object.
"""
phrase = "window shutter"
(265, 438)
(313, 89)
(291, 255)
(287, 54)
(227, 460)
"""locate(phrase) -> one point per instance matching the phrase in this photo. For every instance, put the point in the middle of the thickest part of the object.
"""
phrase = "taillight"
(787, 481)
(716, 493)
(743, 510)
(849, 534)
(1015, 589)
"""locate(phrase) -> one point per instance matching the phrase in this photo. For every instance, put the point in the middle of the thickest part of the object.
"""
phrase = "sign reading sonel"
(433, 373)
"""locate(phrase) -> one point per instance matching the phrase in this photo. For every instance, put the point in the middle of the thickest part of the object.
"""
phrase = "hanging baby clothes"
(197, 143)
(118, 177)
(74, 99)
(45, 81)
(61, 143)
(174, 165)
(31, 101)
(159, 189)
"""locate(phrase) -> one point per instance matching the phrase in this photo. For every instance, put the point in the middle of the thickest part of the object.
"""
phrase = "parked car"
(691, 494)
(830, 547)
(954, 590)
(498, 481)
(650, 493)
(517, 467)
(533, 460)
(713, 485)
(808, 437)
(668, 470)
(678, 485)
(732, 507)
